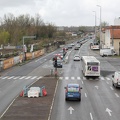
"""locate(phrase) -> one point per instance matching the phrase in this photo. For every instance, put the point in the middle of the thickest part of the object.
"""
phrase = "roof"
(115, 33)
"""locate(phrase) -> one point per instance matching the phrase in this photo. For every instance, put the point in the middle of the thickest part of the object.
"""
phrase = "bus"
(91, 66)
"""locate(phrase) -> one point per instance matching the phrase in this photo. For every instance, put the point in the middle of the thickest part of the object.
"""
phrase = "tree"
(4, 37)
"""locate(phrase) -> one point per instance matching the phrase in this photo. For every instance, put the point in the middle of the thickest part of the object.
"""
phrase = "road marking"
(16, 77)
(72, 78)
(116, 95)
(111, 88)
(107, 78)
(61, 78)
(82, 82)
(78, 78)
(22, 77)
(109, 111)
(70, 109)
(66, 78)
(28, 77)
(96, 87)
(39, 77)
(91, 117)
(5, 77)
(102, 78)
(11, 77)
(85, 94)
(107, 82)
(34, 77)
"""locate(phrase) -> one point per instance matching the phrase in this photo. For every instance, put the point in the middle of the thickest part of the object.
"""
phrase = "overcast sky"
(64, 12)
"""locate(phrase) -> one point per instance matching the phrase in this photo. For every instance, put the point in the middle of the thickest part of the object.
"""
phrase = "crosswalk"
(20, 77)
(60, 78)
(84, 78)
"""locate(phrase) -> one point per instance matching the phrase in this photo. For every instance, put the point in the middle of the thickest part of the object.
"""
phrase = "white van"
(116, 79)
(107, 52)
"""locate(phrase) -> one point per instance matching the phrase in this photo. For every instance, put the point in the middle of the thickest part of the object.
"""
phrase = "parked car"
(116, 79)
(76, 48)
(73, 92)
(76, 58)
(69, 46)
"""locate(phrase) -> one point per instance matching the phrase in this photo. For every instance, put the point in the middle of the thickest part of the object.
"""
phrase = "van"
(107, 52)
(116, 79)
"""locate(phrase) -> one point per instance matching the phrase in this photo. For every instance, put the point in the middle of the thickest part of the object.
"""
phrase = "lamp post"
(100, 23)
(95, 25)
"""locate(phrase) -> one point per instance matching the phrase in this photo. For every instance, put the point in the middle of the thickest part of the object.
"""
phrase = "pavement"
(24, 108)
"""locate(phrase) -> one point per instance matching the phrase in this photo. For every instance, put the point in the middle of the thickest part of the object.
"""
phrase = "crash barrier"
(33, 92)
(7, 63)
(67, 57)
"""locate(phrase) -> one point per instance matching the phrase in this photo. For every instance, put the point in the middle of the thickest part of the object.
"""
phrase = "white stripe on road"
(66, 78)
(72, 78)
(82, 82)
(78, 78)
(61, 78)
(34, 77)
(111, 88)
(85, 94)
(28, 77)
(16, 77)
(91, 117)
(11, 77)
(116, 95)
(102, 78)
(107, 78)
(39, 77)
(5, 77)
(22, 77)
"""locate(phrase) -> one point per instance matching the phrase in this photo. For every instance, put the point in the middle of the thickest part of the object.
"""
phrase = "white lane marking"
(34, 77)
(78, 78)
(111, 88)
(11, 77)
(22, 77)
(16, 77)
(72, 78)
(85, 94)
(39, 77)
(5, 77)
(91, 117)
(107, 82)
(102, 78)
(82, 82)
(107, 78)
(28, 77)
(116, 95)
(61, 78)
(66, 78)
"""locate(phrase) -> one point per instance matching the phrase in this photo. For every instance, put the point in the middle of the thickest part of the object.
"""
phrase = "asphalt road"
(14, 79)
(100, 100)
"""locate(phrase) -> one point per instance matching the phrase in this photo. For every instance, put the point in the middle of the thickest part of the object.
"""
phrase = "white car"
(76, 58)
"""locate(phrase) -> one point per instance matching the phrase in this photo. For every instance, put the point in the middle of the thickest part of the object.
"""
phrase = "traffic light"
(55, 64)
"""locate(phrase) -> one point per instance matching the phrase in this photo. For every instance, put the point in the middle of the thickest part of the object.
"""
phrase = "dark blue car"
(73, 92)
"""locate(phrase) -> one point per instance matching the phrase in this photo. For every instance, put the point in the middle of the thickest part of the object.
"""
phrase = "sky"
(65, 12)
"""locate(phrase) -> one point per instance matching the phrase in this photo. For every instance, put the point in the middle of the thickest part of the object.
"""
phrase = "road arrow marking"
(70, 109)
(109, 111)
(96, 87)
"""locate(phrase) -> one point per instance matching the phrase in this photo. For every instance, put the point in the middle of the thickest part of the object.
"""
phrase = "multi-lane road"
(100, 100)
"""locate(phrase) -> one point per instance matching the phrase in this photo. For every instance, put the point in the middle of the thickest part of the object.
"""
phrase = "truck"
(116, 79)
(107, 52)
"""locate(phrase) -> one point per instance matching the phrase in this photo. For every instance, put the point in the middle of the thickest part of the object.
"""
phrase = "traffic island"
(25, 108)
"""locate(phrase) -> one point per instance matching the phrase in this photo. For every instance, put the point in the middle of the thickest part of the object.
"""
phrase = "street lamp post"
(100, 23)
(95, 25)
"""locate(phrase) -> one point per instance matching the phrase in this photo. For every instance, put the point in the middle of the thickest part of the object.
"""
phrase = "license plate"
(70, 95)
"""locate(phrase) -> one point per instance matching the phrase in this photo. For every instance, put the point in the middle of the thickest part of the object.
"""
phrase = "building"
(117, 21)
(111, 38)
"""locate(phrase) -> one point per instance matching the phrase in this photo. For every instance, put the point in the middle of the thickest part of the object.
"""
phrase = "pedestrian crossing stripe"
(60, 78)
